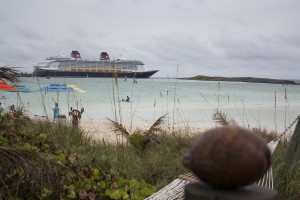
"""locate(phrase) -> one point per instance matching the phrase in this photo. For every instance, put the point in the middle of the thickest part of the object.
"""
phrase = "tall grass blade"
(174, 103)
(118, 127)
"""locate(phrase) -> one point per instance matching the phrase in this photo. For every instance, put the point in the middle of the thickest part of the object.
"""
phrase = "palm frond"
(156, 125)
(33, 164)
(140, 140)
(118, 127)
(150, 135)
(9, 74)
(223, 119)
(23, 172)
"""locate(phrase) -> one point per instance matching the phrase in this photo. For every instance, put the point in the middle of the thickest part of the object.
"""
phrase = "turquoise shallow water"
(186, 103)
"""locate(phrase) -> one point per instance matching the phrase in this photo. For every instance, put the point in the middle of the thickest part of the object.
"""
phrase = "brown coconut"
(228, 157)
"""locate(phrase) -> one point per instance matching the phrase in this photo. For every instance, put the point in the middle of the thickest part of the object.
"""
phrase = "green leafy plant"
(139, 139)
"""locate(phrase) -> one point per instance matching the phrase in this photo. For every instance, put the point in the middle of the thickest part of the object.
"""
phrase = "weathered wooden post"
(292, 155)
(228, 161)
(76, 116)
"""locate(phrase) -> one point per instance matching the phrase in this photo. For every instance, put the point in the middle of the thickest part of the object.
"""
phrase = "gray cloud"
(27, 33)
(289, 39)
(232, 38)
(258, 48)
(3, 18)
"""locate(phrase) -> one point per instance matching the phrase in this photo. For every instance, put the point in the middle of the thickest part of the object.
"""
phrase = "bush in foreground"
(35, 166)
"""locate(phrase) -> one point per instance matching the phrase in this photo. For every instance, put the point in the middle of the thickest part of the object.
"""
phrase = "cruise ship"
(74, 66)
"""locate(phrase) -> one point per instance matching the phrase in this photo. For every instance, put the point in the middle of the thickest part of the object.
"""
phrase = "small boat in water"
(74, 66)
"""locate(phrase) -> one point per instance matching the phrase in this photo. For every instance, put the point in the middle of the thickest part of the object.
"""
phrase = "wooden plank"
(199, 190)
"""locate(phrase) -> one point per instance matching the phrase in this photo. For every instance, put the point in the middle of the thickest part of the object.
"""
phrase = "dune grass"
(286, 182)
(162, 163)
(159, 164)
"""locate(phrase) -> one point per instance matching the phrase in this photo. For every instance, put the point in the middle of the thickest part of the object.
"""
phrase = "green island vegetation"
(242, 79)
(46, 160)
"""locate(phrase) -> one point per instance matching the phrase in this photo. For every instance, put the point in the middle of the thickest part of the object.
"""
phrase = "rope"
(289, 127)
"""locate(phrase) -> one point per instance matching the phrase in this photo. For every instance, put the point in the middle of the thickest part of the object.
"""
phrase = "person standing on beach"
(55, 111)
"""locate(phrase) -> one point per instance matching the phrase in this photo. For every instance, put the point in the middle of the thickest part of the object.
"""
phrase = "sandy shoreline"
(99, 130)
(103, 131)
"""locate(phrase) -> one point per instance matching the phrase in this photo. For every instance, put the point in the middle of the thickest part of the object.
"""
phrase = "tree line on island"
(242, 79)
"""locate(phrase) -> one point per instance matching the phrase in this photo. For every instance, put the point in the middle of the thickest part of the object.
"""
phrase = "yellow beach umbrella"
(76, 88)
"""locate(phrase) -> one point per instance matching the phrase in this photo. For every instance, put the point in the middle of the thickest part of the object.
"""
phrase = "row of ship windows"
(92, 65)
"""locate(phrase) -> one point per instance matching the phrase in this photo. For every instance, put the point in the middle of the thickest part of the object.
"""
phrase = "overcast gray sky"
(203, 37)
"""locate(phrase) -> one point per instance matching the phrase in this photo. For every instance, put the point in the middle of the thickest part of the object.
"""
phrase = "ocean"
(186, 103)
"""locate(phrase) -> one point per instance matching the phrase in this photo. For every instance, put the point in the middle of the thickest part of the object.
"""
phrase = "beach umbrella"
(6, 87)
(21, 88)
(76, 88)
(58, 88)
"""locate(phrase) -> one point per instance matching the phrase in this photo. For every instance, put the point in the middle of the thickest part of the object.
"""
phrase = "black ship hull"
(95, 74)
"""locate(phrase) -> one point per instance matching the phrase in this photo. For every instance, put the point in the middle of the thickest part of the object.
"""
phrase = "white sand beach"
(99, 130)
(103, 130)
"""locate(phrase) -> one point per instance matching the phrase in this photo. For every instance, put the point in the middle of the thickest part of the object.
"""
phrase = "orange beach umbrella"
(6, 87)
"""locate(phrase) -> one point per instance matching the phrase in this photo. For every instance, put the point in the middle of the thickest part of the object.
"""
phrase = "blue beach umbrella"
(57, 87)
